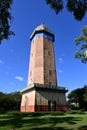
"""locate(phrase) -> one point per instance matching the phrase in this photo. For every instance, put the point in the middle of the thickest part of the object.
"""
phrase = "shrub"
(75, 112)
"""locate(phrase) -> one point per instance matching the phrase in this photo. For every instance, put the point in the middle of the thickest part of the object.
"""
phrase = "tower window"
(48, 52)
(50, 72)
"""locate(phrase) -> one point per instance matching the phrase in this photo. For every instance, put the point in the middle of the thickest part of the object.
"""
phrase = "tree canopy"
(78, 97)
(77, 7)
(10, 101)
(82, 52)
(5, 18)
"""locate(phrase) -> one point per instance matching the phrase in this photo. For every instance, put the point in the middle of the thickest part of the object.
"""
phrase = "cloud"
(60, 71)
(19, 78)
(1, 62)
(60, 60)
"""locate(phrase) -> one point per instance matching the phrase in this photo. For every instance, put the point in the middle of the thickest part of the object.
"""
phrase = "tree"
(16, 99)
(56, 5)
(10, 101)
(78, 97)
(77, 7)
(82, 52)
(5, 18)
(85, 94)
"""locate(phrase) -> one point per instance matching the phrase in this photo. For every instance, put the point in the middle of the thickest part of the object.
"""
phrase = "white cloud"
(1, 62)
(19, 78)
(60, 71)
(60, 60)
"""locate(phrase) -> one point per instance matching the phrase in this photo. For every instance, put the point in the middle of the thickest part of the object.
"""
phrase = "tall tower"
(42, 62)
(42, 92)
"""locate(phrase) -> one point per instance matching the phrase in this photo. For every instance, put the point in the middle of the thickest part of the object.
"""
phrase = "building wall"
(28, 101)
(39, 101)
(43, 98)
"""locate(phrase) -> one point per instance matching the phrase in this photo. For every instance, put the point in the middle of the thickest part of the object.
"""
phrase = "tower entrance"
(52, 106)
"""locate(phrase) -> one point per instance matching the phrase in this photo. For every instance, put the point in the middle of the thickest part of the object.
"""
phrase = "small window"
(49, 53)
(50, 72)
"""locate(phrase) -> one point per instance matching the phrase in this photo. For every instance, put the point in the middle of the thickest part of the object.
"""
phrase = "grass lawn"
(44, 122)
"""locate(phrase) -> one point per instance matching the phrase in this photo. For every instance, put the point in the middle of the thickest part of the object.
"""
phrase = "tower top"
(41, 29)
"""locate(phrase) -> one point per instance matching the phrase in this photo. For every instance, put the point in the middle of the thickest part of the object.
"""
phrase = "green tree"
(1, 100)
(82, 52)
(85, 95)
(56, 5)
(16, 99)
(10, 101)
(78, 96)
(5, 18)
(77, 7)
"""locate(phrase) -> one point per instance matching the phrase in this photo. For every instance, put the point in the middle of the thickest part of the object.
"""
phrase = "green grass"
(43, 122)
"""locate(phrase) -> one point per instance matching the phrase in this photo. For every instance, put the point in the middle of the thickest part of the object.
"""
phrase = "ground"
(40, 122)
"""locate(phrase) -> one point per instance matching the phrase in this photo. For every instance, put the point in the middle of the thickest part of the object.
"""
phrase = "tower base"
(42, 97)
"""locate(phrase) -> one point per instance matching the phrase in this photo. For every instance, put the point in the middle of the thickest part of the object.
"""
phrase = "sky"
(14, 53)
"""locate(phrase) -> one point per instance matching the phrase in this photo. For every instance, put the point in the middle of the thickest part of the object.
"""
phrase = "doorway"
(52, 106)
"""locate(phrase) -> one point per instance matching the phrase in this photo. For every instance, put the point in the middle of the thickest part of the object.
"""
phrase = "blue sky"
(14, 53)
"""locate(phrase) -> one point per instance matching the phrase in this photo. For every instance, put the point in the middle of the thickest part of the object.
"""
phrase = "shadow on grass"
(39, 123)
(84, 127)
(10, 121)
(4, 117)
(50, 128)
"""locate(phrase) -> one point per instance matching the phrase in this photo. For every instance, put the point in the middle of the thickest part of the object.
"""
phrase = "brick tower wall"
(49, 63)
(42, 62)
(36, 72)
